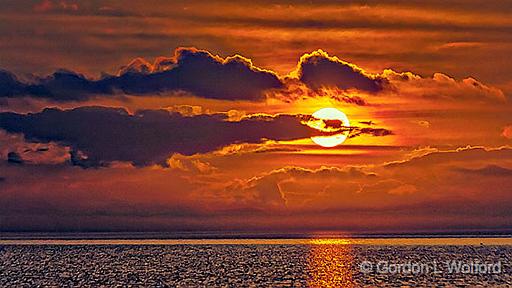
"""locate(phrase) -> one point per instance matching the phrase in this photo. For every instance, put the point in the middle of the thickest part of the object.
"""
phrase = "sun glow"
(331, 114)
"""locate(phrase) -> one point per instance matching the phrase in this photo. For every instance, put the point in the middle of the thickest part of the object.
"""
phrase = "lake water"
(256, 262)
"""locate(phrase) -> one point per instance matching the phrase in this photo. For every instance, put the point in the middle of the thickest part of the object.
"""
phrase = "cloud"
(433, 190)
(329, 76)
(507, 132)
(190, 70)
(9, 85)
(332, 126)
(189, 164)
(138, 65)
(61, 197)
(31, 153)
(58, 5)
(274, 190)
(428, 157)
(357, 131)
(490, 170)
(99, 135)
(194, 72)
(318, 70)
(441, 87)
(15, 158)
(296, 90)
(202, 74)
(62, 85)
(95, 136)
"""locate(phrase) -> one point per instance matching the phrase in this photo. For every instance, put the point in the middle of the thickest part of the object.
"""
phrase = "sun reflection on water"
(330, 263)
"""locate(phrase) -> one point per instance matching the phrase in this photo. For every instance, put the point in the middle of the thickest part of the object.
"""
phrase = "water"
(256, 263)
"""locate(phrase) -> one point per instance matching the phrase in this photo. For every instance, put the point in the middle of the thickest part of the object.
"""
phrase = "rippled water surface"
(265, 264)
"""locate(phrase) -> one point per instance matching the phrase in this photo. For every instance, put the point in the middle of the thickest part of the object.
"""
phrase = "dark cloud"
(319, 70)
(356, 131)
(195, 71)
(201, 73)
(62, 85)
(99, 135)
(15, 158)
(9, 85)
(333, 126)
(369, 122)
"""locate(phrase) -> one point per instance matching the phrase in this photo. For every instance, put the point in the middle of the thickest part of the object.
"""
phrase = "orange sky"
(191, 136)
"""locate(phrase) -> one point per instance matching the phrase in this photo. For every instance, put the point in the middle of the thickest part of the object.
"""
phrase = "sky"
(197, 116)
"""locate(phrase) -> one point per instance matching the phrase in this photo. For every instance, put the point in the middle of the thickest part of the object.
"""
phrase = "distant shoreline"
(233, 235)
(208, 239)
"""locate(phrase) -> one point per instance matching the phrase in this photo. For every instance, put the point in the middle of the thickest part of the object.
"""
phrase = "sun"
(331, 114)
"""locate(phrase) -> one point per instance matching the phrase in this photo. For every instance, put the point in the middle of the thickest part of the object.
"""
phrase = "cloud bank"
(199, 73)
(99, 135)
(439, 190)
(190, 70)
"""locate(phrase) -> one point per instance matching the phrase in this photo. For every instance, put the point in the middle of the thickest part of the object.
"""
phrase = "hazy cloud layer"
(438, 190)
(434, 190)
